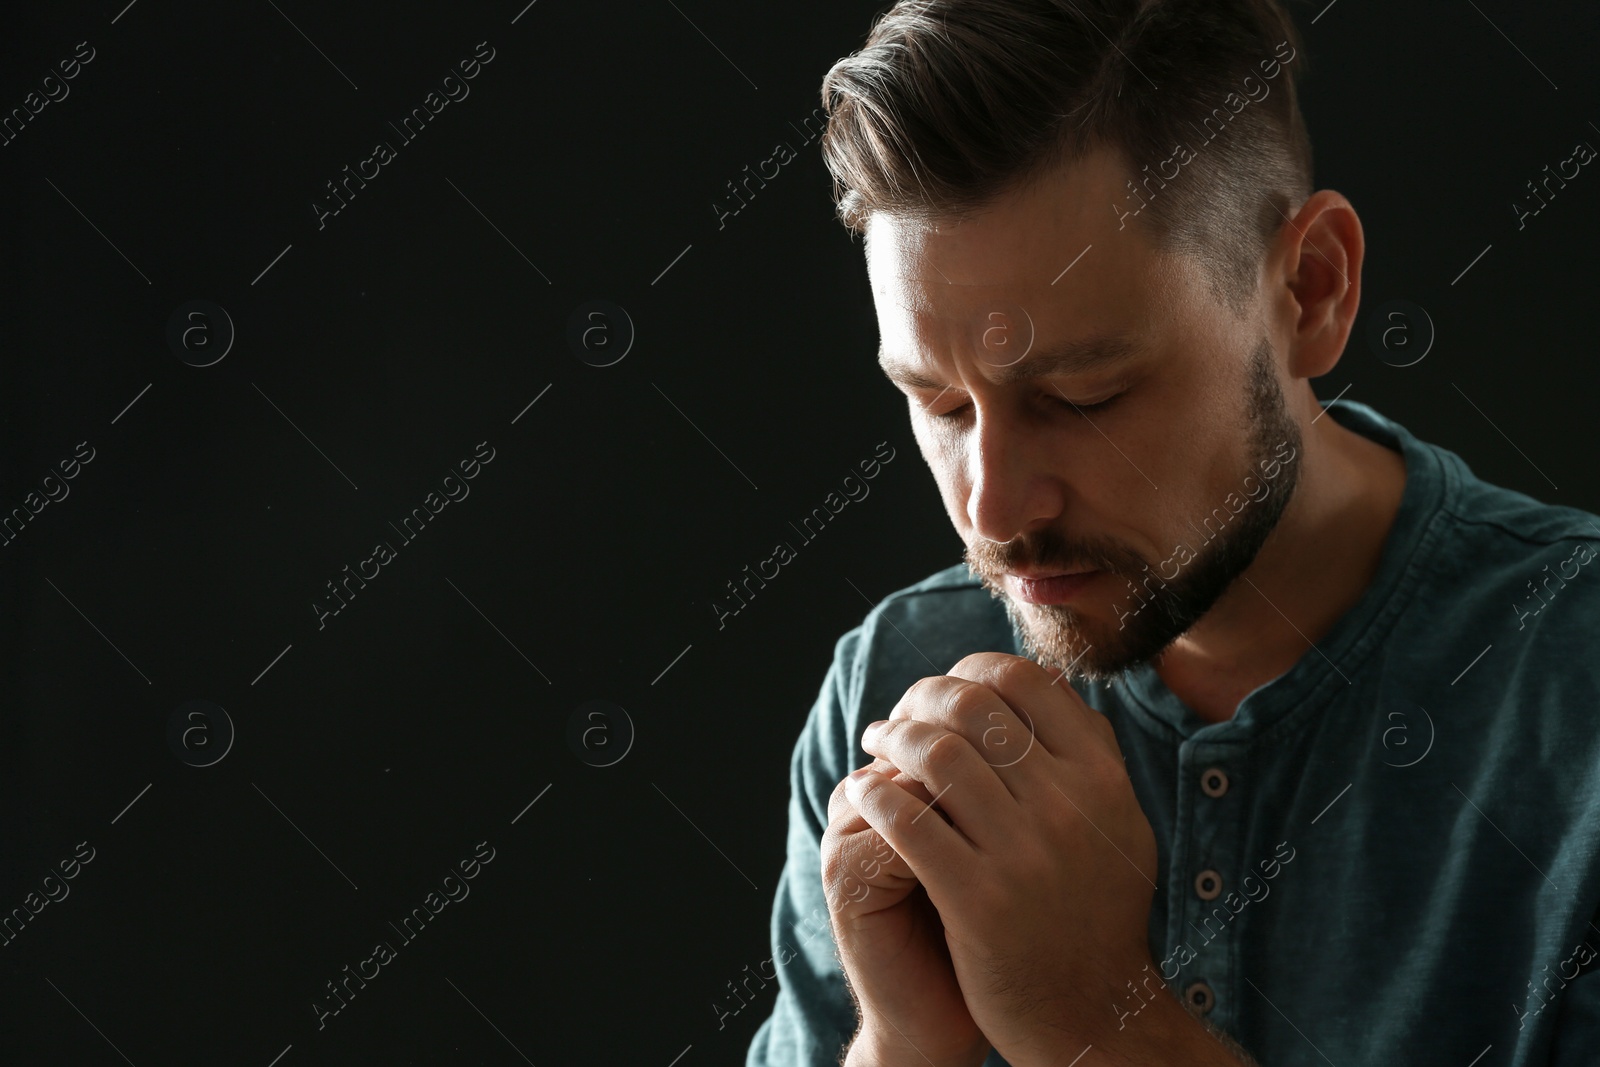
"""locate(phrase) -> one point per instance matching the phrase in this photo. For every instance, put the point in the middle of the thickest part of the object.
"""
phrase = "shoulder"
(1519, 579)
(1511, 552)
(1497, 513)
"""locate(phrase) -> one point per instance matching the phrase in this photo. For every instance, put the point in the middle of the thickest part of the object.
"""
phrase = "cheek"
(942, 454)
(1181, 439)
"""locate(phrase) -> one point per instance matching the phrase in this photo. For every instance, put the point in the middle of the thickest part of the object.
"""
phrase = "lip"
(1055, 588)
(1046, 572)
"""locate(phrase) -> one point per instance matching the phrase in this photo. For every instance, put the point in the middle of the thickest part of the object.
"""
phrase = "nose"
(1012, 484)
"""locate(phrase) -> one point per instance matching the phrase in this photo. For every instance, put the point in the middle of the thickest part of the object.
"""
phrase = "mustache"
(991, 559)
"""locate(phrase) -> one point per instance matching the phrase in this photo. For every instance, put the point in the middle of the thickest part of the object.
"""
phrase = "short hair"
(951, 103)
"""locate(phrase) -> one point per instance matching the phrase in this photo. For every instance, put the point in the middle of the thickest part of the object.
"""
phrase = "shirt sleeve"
(812, 1017)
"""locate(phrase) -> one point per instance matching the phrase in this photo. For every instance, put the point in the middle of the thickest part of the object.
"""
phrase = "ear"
(1315, 281)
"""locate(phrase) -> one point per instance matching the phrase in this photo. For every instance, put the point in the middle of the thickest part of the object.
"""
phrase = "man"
(1249, 726)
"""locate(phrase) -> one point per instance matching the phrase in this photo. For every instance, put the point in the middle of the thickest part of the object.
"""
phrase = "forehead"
(1056, 253)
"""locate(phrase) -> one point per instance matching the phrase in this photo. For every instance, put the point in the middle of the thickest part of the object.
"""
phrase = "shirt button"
(1214, 781)
(1201, 997)
(1207, 884)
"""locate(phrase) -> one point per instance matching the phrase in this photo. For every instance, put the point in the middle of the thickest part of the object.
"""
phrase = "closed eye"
(1059, 400)
(1097, 406)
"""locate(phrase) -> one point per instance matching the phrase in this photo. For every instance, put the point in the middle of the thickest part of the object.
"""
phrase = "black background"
(379, 350)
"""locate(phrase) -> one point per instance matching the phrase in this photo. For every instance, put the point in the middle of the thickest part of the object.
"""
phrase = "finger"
(1060, 720)
(863, 860)
(839, 805)
(856, 860)
(999, 733)
(962, 783)
(937, 853)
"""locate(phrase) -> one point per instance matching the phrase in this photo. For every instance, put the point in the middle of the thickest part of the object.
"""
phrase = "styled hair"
(951, 103)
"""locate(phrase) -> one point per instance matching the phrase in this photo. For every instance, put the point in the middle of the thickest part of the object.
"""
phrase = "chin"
(1058, 636)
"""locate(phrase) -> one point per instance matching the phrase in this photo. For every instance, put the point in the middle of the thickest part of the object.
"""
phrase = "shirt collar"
(1333, 665)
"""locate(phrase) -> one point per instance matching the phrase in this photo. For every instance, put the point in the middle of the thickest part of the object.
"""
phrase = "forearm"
(1229, 1046)
(1166, 1034)
(869, 1048)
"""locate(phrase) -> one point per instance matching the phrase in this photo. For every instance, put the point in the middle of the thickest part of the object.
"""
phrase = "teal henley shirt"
(1388, 855)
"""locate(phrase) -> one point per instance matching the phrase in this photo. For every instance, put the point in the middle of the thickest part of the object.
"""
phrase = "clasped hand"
(1015, 911)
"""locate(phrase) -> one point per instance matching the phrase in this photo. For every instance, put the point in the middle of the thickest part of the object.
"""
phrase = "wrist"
(874, 1047)
(1167, 1031)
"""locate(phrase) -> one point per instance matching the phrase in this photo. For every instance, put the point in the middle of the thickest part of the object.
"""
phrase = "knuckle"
(1014, 672)
(945, 753)
(889, 824)
(838, 798)
(1106, 772)
(917, 692)
(980, 661)
(968, 706)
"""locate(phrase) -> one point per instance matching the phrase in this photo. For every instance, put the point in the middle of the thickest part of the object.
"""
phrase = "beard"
(1159, 610)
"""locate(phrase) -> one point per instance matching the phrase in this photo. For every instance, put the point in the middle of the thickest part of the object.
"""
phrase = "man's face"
(1166, 493)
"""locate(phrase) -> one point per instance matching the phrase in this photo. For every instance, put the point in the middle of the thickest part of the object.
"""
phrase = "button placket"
(1209, 850)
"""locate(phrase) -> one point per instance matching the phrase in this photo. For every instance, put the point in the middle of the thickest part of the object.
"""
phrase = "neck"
(1313, 569)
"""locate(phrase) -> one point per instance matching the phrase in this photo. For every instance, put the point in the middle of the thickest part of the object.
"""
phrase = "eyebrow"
(1068, 357)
